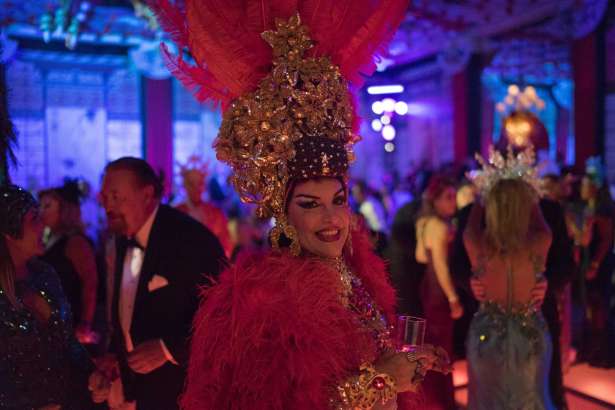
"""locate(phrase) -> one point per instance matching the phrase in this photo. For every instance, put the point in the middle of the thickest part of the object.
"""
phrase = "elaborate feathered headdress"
(281, 72)
(514, 166)
(195, 164)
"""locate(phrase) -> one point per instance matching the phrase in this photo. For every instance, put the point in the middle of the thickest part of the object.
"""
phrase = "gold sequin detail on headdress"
(302, 98)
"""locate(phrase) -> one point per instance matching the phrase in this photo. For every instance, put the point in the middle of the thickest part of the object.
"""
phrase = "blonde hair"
(508, 208)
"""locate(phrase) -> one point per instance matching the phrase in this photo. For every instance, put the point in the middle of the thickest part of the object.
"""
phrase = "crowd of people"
(432, 246)
(290, 303)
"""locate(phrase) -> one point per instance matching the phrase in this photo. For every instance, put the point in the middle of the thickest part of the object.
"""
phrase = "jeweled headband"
(512, 166)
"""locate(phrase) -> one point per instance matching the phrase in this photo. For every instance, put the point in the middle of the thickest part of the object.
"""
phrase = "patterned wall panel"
(72, 119)
(31, 170)
(124, 128)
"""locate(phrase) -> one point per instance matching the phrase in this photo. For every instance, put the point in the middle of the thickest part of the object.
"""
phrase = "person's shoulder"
(190, 234)
(168, 213)
(174, 219)
(435, 225)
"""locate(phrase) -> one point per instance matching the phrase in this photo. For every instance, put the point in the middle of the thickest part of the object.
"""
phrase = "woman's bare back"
(510, 275)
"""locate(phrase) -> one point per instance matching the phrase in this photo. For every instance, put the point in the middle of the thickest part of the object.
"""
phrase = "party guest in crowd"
(559, 270)
(194, 175)
(405, 271)
(596, 260)
(162, 258)
(43, 366)
(441, 304)
(71, 253)
(509, 346)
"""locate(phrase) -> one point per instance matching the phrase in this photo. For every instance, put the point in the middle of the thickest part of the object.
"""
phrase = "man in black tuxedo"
(559, 271)
(162, 258)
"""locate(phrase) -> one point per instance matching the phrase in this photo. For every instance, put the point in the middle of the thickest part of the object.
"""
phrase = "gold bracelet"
(419, 370)
(363, 391)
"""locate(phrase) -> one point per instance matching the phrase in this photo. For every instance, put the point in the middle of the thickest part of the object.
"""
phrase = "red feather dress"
(274, 333)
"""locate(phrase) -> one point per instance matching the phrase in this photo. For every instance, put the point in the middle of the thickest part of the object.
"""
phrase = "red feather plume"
(224, 37)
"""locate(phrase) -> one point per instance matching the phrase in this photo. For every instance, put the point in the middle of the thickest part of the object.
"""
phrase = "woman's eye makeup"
(307, 204)
(340, 200)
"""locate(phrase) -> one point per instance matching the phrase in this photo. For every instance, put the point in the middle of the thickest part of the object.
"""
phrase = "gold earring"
(348, 244)
(352, 227)
(289, 231)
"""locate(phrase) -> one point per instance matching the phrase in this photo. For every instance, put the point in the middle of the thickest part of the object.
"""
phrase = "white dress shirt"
(133, 262)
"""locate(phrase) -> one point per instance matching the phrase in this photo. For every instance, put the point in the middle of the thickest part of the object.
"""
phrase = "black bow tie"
(132, 243)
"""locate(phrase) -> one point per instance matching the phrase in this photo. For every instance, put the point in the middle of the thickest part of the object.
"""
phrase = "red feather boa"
(272, 334)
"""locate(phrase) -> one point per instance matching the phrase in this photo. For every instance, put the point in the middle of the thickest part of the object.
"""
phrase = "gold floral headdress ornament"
(512, 166)
(297, 124)
(288, 111)
(301, 109)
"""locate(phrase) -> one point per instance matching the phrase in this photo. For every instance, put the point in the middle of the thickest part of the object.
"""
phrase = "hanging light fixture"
(518, 126)
(517, 100)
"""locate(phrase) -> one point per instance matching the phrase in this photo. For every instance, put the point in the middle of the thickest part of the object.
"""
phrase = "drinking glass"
(410, 333)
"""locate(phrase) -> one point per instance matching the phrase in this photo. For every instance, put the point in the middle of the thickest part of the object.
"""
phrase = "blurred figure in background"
(556, 191)
(441, 305)
(369, 207)
(43, 366)
(593, 234)
(194, 175)
(466, 193)
(251, 235)
(552, 186)
(406, 272)
(71, 253)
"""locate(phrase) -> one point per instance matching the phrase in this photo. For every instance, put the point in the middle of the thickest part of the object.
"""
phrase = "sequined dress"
(509, 355)
(41, 364)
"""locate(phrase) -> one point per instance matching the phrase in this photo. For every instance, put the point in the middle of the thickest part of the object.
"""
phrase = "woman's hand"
(409, 369)
(456, 309)
(99, 386)
(538, 293)
(100, 380)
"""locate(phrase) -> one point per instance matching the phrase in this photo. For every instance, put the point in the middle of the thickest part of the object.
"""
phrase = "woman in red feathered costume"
(274, 335)
(306, 325)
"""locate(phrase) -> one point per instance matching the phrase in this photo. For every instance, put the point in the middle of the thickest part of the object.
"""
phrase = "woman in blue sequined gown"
(42, 366)
(508, 347)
